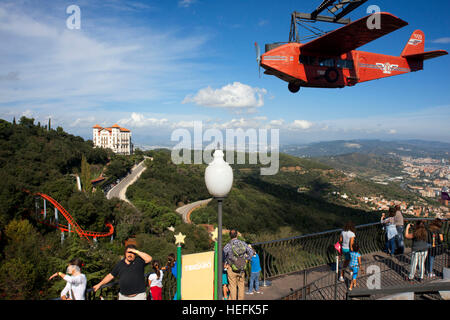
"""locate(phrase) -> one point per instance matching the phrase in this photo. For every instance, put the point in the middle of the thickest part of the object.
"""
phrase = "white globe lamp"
(219, 180)
(218, 176)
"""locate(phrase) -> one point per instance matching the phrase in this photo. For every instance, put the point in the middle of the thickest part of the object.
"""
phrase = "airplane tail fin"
(415, 45)
(415, 49)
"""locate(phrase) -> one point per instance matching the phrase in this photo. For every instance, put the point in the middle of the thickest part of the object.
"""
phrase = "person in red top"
(155, 281)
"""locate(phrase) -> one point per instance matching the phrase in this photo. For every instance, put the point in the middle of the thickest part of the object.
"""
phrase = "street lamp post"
(219, 250)
(219, 180)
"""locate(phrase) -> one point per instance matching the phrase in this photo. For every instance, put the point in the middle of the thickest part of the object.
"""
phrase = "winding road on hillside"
(119, 190)
(185, 211)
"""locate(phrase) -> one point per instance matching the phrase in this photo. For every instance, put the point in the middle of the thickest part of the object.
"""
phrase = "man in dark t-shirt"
(130, 272)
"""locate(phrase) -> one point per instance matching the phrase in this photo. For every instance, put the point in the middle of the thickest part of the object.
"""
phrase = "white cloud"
(301, 124)
(444, 40)
(262, 22)
(235, 95)
(392, 131)
(138, 120)
(261, 118)
(27, 113)
(106, 61)
(82, 121)
(277, 122)
(186, 3)
(183, 124)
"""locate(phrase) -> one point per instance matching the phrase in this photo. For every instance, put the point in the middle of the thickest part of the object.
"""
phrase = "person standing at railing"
(435, 241)
(419, 248)
(130, 272)
(236, 253)
(391, 231)
(399, 223)
(226, 292)
(254, 274)
(171, 267)
(75, 281)
(347, 238)
(355, 264)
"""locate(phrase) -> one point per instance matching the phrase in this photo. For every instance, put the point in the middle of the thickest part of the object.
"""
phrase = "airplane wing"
(353, 35)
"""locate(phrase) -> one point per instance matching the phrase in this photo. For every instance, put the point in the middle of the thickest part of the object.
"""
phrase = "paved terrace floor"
(394, 272)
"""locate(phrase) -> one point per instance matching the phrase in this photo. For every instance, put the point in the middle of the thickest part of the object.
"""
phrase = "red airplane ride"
(331, 60)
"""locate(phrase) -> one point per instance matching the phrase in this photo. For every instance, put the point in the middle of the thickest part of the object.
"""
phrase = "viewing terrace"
(304, 268)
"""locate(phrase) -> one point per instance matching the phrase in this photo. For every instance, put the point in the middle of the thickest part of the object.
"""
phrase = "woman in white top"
(155, 281)
(76, 283)
(346, 239)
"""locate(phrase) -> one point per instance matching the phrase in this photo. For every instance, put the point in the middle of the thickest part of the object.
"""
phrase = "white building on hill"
(116, 138)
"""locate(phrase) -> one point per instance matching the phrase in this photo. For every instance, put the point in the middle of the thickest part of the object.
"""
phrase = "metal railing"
(435, 288)
(381, 273)
(391, 271)
(298, 254)
(285, 256)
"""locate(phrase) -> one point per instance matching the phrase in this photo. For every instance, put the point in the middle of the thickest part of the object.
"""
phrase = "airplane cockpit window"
(307, 60)
(326, 62)
(347, 64)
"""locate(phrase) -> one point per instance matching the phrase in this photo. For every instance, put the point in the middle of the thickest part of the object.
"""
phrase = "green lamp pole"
(179, 239)
(217, 272)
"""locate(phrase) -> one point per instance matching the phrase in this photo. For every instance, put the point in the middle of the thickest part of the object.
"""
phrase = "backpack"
(238, 249)
(436, 244)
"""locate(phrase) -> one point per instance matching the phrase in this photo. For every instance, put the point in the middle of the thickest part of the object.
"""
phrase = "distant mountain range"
(412, 148)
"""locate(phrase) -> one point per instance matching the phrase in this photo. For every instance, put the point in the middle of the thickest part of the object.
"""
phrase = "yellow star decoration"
(179, 238)
(215, 234)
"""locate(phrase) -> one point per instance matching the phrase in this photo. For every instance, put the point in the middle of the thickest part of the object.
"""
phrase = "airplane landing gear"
(293, 87)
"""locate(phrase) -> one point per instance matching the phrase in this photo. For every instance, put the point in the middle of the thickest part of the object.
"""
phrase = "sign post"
(197, 282)
(217, 272)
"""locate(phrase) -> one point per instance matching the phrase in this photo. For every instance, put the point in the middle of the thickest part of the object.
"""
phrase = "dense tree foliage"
(256, 206)
(36, 159)
(167, 184)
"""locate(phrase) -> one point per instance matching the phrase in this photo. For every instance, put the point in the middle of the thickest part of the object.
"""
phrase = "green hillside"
(257, 204)
(39, 159)
(365, 165)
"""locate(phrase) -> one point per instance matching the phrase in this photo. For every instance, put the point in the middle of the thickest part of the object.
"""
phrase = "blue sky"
(155, 66)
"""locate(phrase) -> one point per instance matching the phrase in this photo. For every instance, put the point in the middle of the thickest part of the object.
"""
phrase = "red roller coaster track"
(72, 224)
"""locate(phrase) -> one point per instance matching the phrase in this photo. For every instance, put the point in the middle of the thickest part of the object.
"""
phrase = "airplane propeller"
(258, 57)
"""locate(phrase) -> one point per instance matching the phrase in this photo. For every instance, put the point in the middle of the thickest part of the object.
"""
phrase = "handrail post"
(304, 284)
(336, 277)
(264, 269)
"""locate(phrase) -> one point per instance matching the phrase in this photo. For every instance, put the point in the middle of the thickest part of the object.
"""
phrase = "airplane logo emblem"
(414, 42)
(387, 67)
